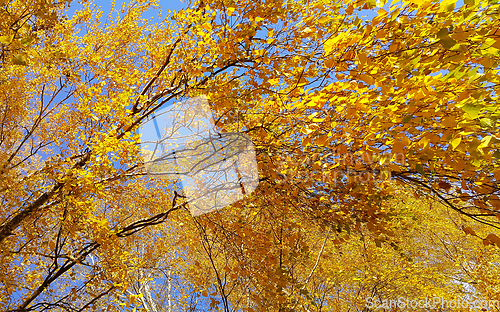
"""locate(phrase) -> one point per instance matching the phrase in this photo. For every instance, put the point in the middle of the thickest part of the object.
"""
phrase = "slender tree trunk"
(169, 287)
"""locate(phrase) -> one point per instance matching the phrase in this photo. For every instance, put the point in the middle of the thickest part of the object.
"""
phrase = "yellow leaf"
(455, 142)
(274, 81)
(313, 115)
(330, 62)
(469, 230)
(494, 239)
(324, 19)
(6, 39)
(398, 147)
(207, 26)
(494, 201)
(484, 142)
(331, 43)
(321, 141)
(447, 5)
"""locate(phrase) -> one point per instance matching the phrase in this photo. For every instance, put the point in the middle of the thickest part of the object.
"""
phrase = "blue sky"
(165, 5)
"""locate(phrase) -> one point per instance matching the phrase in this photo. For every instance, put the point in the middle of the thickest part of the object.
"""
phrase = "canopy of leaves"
(375, 128)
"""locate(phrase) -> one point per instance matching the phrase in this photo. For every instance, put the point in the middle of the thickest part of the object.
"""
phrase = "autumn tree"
(348, 114)
(20, 24)
(315, 269)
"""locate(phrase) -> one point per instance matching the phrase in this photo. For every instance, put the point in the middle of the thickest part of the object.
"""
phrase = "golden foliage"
(376, 137)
